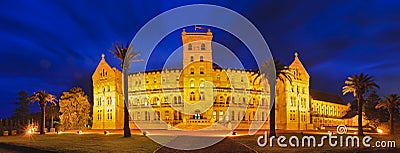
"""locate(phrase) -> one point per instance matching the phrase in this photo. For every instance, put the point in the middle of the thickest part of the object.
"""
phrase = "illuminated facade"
(202, 95)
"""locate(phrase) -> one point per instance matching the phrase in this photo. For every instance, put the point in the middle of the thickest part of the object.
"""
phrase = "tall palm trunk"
(272, 121)
(43, 121)
(52, 122)
(391, 122)
(127, 130)
(360, 129)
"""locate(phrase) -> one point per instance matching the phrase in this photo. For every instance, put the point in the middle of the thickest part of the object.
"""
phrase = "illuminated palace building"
(202, 95)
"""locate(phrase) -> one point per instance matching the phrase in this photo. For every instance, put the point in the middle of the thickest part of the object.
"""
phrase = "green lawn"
(140, 143)
(84, 143)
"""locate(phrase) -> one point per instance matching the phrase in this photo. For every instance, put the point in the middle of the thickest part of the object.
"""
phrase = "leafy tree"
(75, 109)
(52, 111)
(371, 113)
(123, 52)
(281, 73)
(42, 97)
(21, 113)
(359, 85)
(391, 103)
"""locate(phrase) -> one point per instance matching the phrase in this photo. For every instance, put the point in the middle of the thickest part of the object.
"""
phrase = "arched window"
(192, 96)
(233, 99)
(190, 47)
(191, 84)
(201, 84)
(191, 58)
(203, 46)
(215, 115)
(221, 99)
(202, 96)
(156, 101)
(179, 100)
(166, 115)
(175, 100)
(244, 100)
(157, 115)
(197, 114)
(218, 77)
(192, 70)
(201, 70)
(201, 58)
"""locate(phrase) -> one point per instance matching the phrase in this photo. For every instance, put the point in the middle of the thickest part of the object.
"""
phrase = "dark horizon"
(56, 45)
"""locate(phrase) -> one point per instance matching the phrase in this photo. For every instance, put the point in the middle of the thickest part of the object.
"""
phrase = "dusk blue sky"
(56, 45)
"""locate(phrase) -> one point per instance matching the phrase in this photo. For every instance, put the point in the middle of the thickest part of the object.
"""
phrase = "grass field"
(140, 143)
(84, 143)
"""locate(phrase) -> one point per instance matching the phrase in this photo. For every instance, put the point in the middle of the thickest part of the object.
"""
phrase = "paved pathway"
(5, 148)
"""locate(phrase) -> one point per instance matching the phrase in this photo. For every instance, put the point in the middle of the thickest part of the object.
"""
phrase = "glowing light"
(106, 132)
(379, 130)
(79, 132)
(30, 130)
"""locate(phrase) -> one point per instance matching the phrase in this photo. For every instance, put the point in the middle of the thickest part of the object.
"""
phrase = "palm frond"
(124, 52)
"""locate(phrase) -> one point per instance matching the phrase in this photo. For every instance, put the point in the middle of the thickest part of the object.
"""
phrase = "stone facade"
(202, 95)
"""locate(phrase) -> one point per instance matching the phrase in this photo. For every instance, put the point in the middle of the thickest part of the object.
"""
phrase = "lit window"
(218, 77)
(215, 115)
(221, 115)
(203, 47)
(202, 84)
(191, 84)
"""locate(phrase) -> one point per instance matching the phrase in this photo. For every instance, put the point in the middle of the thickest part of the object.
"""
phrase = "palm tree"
(52, 112)
(42, 97)
(359, 85)
(391, 103)
(123, 53)
(281, 73)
